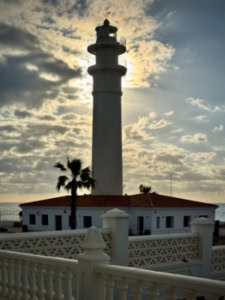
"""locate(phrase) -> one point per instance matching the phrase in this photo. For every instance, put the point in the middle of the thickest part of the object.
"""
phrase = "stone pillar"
(204, 228)
(87, 285)
(118, 220)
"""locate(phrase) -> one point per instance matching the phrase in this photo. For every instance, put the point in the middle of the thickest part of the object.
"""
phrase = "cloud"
(159, 124)
(22, 84)
(196, 138)
(218, 128)
(200, 103)
(22, 114)
(169, 113)
(201, 118)
(203, 156)
(158, 56)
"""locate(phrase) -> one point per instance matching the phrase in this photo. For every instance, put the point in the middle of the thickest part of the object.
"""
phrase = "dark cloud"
(47, 118)
(21, 114)
(172, 159)
(15, 37)
(53, 2)
(21, 84)
(26, 146)
(71, 51)
(7, 128)
(38, 130)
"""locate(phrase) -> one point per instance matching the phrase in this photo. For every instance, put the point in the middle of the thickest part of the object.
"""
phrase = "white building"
(149, 213)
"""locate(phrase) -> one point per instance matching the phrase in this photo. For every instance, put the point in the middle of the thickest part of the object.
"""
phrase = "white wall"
(150, 216)
(178, 214)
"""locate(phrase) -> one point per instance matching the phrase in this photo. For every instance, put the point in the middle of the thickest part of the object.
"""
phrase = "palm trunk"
(73, 217)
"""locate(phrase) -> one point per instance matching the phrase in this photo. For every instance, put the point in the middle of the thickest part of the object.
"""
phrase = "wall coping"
(161, 236)
(47, 234)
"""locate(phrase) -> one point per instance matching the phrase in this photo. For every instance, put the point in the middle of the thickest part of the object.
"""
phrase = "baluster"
(49, 284)
(11, 271)
(137, 290)
(25, 282)
(33, 283)
(109, 285)
(122, 289)
(189, 294)
(210, 296)
(40, 283)
(100, 287)
(18, 282)
(170, 292)
(68, 285)
(152, 292)
(5, 277)
(58, 287)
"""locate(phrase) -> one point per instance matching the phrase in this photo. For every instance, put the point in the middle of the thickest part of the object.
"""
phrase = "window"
(44, 219)
(158, 222)
(169, 222)
(87, 220)
(187, 220)
(32, 219)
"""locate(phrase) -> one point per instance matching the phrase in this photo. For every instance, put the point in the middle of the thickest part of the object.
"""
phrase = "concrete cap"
(202, 221)
(115, 213)
(93, 239)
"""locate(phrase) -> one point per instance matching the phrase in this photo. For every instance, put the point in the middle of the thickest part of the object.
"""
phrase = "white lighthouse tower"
(107, 135)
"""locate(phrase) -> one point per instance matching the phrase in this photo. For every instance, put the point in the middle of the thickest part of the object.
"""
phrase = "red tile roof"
(140, 200)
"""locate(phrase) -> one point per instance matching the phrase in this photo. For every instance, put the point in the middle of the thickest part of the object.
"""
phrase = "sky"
(173, 105)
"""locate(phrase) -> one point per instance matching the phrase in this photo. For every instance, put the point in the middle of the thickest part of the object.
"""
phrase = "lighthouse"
(107, 128)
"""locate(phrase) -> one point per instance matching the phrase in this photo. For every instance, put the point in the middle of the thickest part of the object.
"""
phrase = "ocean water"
(10, 211)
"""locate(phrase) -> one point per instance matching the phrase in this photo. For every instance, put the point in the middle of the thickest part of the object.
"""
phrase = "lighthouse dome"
(106, 22)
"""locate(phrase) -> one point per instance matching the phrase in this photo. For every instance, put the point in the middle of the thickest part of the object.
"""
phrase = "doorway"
(140, 225)
(58, 222)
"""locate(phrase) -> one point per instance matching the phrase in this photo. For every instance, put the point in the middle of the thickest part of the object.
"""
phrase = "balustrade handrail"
(162, 279)
(219, 247)
(161, 237)
(40, 259)
(47, 234)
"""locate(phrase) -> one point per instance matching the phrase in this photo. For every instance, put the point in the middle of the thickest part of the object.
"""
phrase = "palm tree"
(145, 189)
(79, 178)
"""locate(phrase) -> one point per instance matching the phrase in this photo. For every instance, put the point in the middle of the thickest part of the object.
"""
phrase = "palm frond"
(75, 166)
(85, 174)
(61, 182)
(60, 166)
(69, 185)
(80, 184)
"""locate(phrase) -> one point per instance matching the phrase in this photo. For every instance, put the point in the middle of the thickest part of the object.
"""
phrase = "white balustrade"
(218, 259)
(34, 277)
(145, 284)
(148, 251)
(66, 243)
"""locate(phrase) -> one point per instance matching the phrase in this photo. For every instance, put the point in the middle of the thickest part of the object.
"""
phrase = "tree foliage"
(77, 178)
(145, 189)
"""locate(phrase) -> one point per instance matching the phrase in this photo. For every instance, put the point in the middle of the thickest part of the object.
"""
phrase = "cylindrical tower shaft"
(107, 129)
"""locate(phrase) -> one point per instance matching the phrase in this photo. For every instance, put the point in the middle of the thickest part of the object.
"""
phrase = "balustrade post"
(118, 220)
(87, 281)
(204, 228)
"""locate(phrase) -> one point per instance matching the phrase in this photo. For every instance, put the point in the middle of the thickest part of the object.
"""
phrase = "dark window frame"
(87, 221)
(44, 220)
(186, 221)
(169, 221)
(32, 219)
(158, 222)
